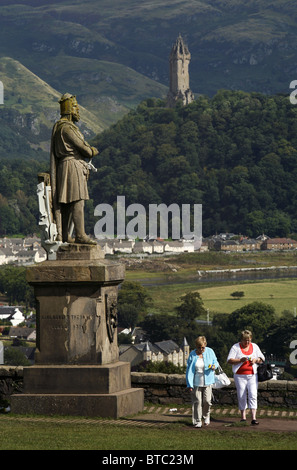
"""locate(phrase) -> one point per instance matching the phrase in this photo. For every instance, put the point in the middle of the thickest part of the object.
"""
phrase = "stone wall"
(171, 389)
(11, 381)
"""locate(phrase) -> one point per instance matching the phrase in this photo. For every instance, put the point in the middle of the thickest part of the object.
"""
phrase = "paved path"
(160, 416)
(225, 419)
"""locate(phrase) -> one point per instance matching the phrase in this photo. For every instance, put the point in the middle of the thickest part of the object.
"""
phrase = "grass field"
(17, 435)
(167, 285)
(281, 294)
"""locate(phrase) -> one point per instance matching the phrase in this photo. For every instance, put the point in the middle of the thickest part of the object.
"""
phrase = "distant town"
(27, 251)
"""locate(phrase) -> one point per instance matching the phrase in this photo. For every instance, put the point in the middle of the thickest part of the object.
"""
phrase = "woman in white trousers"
(245, 357)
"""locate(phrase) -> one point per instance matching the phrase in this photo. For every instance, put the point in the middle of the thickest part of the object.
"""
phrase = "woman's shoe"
(198, 425)
(254, 422)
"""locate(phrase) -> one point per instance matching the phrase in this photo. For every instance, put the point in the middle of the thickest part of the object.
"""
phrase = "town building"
(163, 351)
(21, 251)
(279, 244)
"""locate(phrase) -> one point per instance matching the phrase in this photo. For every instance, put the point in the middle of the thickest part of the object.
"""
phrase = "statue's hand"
(95, 151)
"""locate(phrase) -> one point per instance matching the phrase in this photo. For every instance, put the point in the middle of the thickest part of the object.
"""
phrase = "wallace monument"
(77, 369)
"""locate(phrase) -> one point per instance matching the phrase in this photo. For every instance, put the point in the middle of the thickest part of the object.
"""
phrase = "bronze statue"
(69, 173)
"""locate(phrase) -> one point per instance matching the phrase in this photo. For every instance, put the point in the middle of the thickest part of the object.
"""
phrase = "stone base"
(83, 390)
(114, 405)
(110, 378)
(81, 252)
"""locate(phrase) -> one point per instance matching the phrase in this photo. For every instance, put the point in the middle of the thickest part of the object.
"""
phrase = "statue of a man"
(69, 173)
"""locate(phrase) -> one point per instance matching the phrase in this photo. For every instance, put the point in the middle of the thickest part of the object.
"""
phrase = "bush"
(159, 367)
(14, 357)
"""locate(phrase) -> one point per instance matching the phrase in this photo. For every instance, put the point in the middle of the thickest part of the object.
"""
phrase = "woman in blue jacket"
(200, 374)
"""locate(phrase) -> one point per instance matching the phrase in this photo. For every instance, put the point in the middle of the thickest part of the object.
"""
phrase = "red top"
(246, 367)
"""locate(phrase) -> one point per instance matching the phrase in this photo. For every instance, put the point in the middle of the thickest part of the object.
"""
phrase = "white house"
(13, 314)
(2, 257)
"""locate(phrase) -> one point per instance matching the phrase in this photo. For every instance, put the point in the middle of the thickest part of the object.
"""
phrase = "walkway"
(160, 416)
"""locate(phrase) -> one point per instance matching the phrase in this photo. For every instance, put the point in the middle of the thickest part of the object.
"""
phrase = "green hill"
(235, 44)
(31, 105)
(234, 153)
(29, 111)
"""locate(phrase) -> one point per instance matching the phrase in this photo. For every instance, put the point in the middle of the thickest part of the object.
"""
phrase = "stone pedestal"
(77, 369)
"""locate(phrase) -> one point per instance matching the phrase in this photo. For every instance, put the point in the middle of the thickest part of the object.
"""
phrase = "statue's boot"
(79, 224)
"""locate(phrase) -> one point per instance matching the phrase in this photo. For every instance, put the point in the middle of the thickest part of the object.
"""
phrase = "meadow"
(64, 435)
(166, 287)
(282, 295)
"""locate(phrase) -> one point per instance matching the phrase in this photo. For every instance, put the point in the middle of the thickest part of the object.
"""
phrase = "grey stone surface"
(77, 369)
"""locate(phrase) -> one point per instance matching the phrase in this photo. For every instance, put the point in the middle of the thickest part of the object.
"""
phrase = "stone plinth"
(113, 405)
(110, 378)
(75, 300)
(77, 358)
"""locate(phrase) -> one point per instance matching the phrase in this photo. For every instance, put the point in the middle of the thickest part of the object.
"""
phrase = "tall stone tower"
(179, 74)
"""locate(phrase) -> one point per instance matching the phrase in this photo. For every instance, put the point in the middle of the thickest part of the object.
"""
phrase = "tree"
(127, 315)
(134, 297)
(13, 283)
(160, 327)
(256, 317)
(280, 335)
(191, 307)
(14, 357)
(237, 294)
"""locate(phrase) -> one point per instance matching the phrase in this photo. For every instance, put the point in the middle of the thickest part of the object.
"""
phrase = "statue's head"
(69, 106)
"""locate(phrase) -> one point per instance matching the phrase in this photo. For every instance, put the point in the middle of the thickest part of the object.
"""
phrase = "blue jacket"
(209, 359)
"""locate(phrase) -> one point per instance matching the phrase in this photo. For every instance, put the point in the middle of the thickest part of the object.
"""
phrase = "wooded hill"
(235, 153)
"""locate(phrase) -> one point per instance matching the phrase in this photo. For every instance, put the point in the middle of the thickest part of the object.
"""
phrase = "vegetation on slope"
(234, 153)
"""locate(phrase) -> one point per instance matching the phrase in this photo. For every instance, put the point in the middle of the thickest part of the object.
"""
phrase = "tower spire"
(179, 61)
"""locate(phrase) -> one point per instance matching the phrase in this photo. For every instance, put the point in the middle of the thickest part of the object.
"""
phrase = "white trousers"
(247, 390)
(201, 403)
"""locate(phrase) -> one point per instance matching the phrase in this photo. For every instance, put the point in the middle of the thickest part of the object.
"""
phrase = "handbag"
(264, 372)
(221, 379)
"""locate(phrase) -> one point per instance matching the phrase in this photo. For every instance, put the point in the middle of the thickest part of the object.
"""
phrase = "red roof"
(281, 240)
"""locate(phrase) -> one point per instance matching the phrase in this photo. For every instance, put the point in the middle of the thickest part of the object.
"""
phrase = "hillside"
(234, 153)
(115, 56)
(235, 45)
(29, 111)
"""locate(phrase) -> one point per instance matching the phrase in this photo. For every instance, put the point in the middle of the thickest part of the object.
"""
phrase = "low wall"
(11, 381)
(170, 388)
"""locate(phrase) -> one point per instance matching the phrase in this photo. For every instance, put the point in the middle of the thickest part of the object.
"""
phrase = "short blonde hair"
(246, 334)
(200, 341)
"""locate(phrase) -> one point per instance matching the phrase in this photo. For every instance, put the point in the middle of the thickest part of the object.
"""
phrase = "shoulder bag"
(221, 379)
(264, 372)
